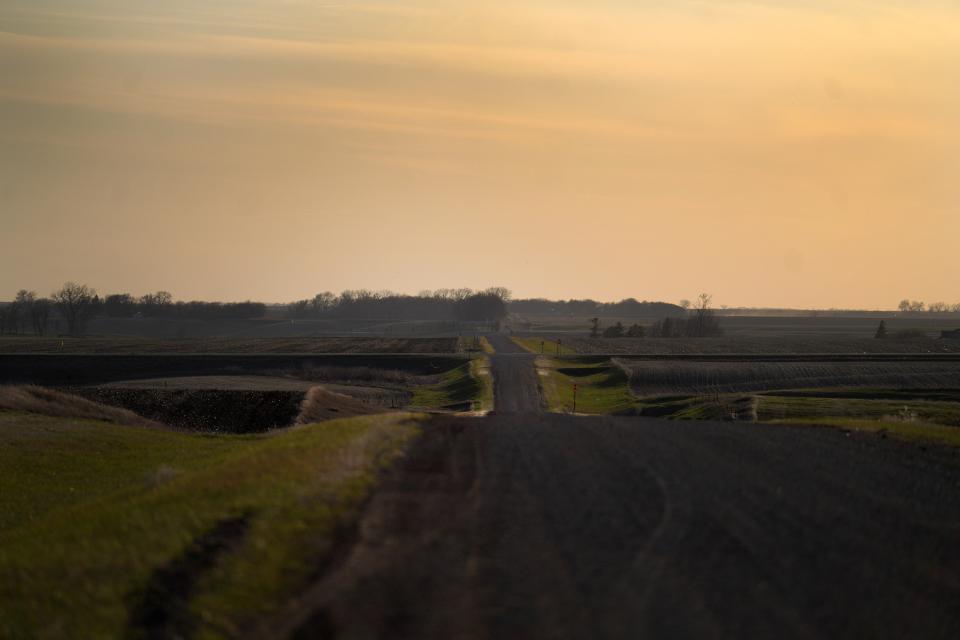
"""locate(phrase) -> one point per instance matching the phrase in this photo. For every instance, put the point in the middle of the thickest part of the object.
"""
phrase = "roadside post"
(574, 397)
(541, 346)
(559, 342)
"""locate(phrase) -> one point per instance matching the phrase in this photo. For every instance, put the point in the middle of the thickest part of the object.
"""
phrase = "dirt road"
(515, 388)
(539, 526)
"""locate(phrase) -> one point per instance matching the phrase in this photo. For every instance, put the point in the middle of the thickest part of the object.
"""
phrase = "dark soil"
(204, 410)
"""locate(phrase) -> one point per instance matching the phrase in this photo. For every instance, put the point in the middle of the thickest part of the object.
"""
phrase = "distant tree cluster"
(162, 305)
(26, 314)
(489, 305)
(918, 306)
(701, 322)
(616, 330)
(76, 304)
(628, 308)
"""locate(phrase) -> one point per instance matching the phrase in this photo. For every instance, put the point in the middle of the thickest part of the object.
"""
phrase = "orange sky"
(774, 153)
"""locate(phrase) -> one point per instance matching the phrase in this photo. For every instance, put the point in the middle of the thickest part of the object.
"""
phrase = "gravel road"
(551, 526)
(515, 387)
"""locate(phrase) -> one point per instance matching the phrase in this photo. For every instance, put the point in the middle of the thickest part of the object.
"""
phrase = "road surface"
(551, 526)
(532, 525)
(515, 387)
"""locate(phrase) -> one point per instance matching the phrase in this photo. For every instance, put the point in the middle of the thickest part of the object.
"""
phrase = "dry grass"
(320, 404)
(47, 402)
(648, 378)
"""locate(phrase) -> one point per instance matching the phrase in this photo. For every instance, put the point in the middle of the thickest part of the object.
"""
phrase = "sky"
(770, 152)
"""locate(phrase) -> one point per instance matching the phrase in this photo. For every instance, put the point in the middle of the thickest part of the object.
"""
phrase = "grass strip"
(94, 515)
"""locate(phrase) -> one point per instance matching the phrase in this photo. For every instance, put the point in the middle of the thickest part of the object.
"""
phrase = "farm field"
(122, 345)
(660, 377)
(754, 345)
(121, 530)
(909, 399)
(760, 326)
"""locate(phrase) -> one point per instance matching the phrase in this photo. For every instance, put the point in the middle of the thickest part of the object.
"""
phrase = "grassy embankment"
(468, 387)
(603, 388)
(107, 528)
(550, 346)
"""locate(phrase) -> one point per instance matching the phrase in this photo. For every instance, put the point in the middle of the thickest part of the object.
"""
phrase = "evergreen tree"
(881, 330)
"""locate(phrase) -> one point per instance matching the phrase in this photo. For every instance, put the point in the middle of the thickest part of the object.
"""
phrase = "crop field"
(122, 345)
(914, 399)
(119, 530)
(764, 326)
(756, 345)
(652, 377)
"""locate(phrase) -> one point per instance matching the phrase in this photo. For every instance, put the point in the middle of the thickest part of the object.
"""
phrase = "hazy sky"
(772, 152)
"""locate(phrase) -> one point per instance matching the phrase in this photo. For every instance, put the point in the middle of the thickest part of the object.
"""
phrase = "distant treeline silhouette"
(73, 305)
(489, 305)
(918, 306)
(628, 308)
(76, 304)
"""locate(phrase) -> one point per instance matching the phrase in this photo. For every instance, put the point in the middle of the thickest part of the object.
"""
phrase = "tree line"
(77, 303)
(626, 308)
(489, 305)
(918, 306)
(700, 322)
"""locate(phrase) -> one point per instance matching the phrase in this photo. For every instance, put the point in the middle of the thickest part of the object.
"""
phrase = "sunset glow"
(774, 153)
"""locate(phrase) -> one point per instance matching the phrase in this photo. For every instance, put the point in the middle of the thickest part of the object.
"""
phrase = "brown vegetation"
(319, 404)
(64, 405)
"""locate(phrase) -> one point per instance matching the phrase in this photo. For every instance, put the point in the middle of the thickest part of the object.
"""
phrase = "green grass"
(776, 407)
(549, 346)
(601, 386)
(896, 411)
(467, 385)
(90, 510)
(905, 430)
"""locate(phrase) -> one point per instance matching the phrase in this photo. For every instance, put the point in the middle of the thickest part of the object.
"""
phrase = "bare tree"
(501, 292)
(685, 304)
(704, 322)
(74, 301)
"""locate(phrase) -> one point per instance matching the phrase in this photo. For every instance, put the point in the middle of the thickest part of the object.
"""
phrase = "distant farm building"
(950, 335)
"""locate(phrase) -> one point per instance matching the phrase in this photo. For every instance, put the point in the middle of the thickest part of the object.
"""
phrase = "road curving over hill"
(551, 526)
